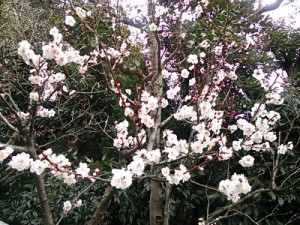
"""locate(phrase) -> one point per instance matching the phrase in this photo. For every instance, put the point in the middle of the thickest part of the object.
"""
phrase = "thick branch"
(103, 205)
(167, 204)
(14, 147)
(130, 71)
(43, 199)
(40, 184)
(270, 7)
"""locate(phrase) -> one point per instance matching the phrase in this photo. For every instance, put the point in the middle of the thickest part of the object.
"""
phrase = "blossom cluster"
(238, 184)
(273, 83)
(282, 149)
(180, 174)
(48, 84)
(257, 134)
(247, 161)
(122, 178)
(47, 81)
(58, 165)
(126, 141)
(67, 206)
(174, 148)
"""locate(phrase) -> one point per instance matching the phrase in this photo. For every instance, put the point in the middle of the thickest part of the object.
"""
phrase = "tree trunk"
(155, 203)
(156, 216)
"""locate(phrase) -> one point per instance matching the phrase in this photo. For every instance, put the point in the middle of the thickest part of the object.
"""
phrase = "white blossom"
(164, 103)
(38, 167)
(152, 27)
(274, 98)
(83, 170)
(69, 178)
(136, 167)
(282, 149)
(232, 188)
(232, 128)
(258, 74)
(128, 112)
(160, 10)
(121, 179)
(192, 81)
(247, 161)
(236, 145)
(81, 12)
(152, 103)
(180, 174)
(34, 96)
(5, 153)
(145, 96)
(204, 44)
(206, 109)
(197, 147)
(185, 73)
(270, 136)
(165, 171)
(193, 58)
(147, 120)
(69, 20)
(218, 50)
(154, 155)
(78, 203)
(225, 153)
(46, 113)
(20, 161)
(67, 207)
(172, 92)
(172, 153)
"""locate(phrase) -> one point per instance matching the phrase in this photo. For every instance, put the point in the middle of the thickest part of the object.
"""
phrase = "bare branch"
(8, 123)
(203, 185)
(214, 215)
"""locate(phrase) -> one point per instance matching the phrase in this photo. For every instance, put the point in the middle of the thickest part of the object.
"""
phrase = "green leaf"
(280, 201)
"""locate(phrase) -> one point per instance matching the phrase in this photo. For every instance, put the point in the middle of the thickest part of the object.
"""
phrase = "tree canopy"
(183, 112)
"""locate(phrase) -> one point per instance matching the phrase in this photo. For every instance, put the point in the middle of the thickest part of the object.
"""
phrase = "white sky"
(288, 12)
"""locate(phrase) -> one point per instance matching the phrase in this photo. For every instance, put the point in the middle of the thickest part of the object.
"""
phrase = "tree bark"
(102, 206)
(43, 199)
(39, 180)
(168, 189)
(155, 207)
(155, 203)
